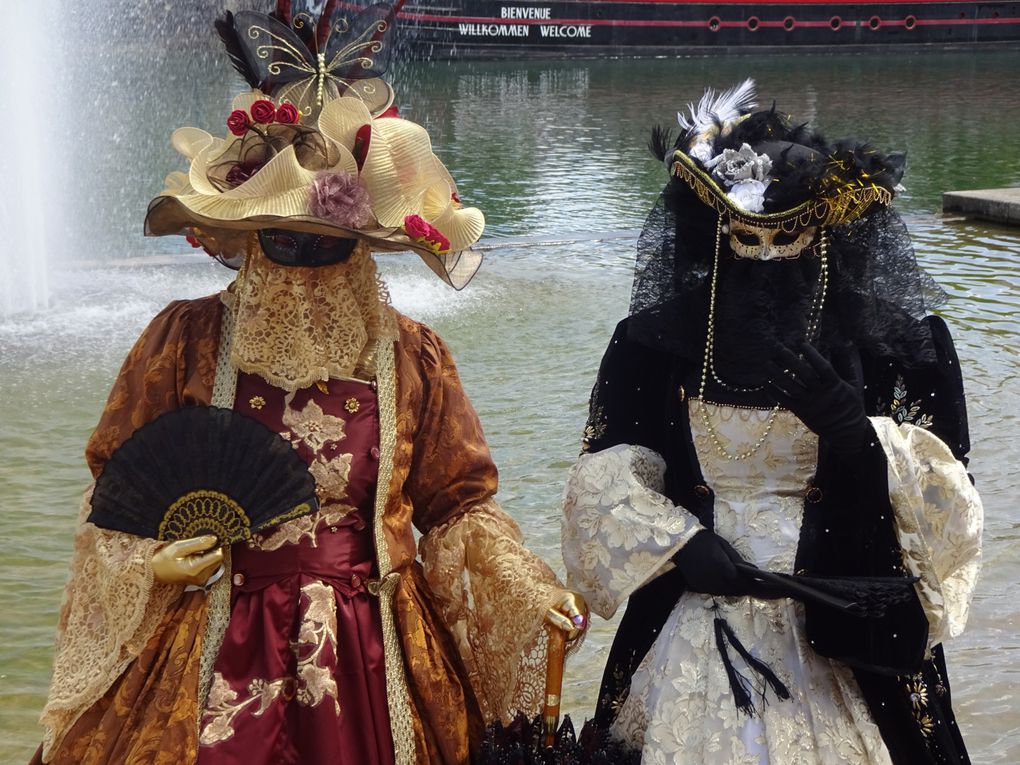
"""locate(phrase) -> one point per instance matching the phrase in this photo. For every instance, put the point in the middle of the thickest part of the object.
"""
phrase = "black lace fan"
(202, 470)
(867, 597)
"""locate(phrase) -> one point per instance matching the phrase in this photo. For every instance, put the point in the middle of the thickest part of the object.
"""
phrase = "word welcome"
(524, 30)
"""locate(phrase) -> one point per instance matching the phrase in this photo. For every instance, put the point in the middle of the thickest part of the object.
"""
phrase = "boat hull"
(571, 28)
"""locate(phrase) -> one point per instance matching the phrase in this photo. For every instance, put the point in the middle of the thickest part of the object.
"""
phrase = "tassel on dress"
(740, 685)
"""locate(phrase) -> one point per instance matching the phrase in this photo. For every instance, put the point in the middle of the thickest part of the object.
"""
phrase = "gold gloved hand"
(187, 561)
(569, 613)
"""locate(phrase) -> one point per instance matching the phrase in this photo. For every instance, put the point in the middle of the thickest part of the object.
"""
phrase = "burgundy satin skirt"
(300, 676)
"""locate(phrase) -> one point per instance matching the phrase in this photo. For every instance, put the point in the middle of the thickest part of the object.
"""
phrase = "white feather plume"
(715, 108)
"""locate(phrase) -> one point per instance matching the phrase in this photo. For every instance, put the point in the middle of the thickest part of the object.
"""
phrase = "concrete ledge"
(997, 205)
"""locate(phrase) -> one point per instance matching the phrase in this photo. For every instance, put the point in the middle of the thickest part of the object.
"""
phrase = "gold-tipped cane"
(554, 684)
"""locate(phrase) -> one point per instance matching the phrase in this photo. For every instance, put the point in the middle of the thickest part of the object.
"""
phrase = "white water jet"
(30, 177)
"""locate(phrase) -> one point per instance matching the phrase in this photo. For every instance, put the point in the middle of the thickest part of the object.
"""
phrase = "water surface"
(554, 153)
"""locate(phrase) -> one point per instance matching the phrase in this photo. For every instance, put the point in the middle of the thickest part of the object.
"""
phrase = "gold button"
(681, 393)
(814, 495)
(701, 490)
(238, 579)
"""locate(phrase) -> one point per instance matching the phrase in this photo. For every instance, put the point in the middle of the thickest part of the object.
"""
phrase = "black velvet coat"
(847, 530)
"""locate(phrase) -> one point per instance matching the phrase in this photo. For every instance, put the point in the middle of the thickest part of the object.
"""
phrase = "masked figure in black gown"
(774, 466)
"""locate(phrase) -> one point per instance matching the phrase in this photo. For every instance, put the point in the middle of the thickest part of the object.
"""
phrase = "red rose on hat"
(263, 111)
(237, 122)
(287, 114)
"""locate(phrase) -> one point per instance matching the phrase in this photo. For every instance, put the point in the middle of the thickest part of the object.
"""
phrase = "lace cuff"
(494, 595)
(112, 606)
(939, 519)
(619, 531)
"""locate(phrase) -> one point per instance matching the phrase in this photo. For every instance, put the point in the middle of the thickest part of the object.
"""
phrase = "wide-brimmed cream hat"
(347, 174)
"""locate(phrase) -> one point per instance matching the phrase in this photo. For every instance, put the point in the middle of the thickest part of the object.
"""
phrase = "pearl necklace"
(708, 364)
(713, 434)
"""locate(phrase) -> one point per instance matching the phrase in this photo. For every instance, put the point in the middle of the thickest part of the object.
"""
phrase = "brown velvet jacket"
(464, 625)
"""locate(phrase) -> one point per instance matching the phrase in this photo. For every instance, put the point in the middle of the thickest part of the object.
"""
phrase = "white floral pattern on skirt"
(680, 708)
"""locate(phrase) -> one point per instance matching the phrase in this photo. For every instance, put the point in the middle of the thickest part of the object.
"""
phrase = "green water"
(553, 153)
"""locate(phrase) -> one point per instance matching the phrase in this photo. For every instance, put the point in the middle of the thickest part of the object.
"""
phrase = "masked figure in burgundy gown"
(336, 637)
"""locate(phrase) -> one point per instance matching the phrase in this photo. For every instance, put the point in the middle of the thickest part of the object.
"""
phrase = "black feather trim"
(808, 165)
(228, 34)
(661, 142)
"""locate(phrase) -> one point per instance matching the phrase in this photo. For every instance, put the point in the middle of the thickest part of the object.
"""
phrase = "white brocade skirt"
(680, 708)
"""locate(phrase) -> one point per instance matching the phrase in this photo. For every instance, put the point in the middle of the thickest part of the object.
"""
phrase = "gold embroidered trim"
(842, 206)
(205, 511)
(223, 394)
(596, 426)
(225, 383)
(397, 695)
(917, 690)
(901, 411)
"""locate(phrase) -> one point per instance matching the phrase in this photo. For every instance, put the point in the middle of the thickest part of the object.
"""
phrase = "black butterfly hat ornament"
(308, 59)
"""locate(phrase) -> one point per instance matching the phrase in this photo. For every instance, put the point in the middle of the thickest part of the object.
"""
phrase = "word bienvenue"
(511, 13)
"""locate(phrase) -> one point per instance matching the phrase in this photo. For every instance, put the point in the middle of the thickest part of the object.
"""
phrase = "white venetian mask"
(767, 243)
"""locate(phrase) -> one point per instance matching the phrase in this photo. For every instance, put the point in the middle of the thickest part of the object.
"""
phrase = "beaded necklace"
(708, 363)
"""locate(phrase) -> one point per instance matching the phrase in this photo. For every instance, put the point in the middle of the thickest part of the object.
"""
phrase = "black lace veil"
(876, 299)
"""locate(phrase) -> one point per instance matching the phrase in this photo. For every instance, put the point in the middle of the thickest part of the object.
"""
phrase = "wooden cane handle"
(554, 683)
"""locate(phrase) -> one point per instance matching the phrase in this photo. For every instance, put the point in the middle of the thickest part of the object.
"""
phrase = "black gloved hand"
(706, 562)
(830, 406)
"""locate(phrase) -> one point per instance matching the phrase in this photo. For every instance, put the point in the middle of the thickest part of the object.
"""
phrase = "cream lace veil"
(298, 326)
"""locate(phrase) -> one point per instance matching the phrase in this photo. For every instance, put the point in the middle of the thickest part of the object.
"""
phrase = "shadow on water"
(553, 151)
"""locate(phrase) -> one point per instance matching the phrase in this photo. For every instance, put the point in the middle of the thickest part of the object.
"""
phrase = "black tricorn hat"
(764, 171)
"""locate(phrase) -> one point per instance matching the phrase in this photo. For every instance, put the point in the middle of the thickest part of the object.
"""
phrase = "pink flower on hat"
(424, 233)
(341, 199)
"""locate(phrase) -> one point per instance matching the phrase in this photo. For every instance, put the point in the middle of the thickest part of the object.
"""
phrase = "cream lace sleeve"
(619, 531)
(111, 608)
(494, 595)
(939, 520)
